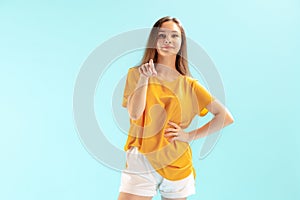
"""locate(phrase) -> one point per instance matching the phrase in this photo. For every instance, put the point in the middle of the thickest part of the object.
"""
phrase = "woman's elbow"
(134, 116)
(225, 116)
(134, 113)
(228, 118)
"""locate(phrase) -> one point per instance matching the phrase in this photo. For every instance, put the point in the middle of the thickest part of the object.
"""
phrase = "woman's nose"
(167, 41)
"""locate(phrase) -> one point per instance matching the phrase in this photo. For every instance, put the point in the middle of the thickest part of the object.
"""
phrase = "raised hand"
(148, 69)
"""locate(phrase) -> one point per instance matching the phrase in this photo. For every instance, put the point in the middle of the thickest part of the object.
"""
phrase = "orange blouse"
(178, 101)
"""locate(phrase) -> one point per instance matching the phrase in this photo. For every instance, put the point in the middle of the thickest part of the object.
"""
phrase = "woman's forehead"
(167, 31)
(169, 26)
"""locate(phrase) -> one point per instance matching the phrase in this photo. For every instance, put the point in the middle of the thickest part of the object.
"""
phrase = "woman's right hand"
(148, 69)
(137, 100)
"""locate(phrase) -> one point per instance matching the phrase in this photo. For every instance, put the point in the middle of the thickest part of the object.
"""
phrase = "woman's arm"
(137, 101)
(222, 117)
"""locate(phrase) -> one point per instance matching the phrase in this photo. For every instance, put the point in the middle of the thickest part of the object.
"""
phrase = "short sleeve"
(202, 97)
(131, 82)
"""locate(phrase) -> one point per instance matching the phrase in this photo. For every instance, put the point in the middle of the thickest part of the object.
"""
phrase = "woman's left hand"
(176, 133)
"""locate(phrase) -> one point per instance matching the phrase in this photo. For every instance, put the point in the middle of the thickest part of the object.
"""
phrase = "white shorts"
(140, 178)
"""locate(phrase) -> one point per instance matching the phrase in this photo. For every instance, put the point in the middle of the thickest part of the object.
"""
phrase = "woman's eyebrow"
(171, 31)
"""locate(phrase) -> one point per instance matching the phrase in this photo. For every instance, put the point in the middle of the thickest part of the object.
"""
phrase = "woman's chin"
(166, 53)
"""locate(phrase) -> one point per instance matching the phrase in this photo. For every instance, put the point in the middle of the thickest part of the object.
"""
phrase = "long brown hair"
(151, 52)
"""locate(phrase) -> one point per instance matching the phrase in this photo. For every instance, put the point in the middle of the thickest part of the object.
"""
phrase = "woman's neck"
(166, 68)
(168, 61)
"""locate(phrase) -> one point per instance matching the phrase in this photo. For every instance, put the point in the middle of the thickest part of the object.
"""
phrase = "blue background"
(254, 44)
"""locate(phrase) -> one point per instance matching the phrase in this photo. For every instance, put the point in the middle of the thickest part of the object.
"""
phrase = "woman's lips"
(167, 47)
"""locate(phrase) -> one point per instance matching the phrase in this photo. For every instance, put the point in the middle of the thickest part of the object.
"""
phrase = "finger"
(144, 69)
(171, 130)
(147, 69)
(141, 70)
(152, 67)
(174, 124)
(171, 134)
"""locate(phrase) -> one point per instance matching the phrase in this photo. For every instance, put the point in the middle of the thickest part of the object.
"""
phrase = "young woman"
(162, 99)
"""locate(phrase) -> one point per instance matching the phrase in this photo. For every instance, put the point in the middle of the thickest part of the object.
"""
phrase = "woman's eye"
(175, 35)
(161, 35)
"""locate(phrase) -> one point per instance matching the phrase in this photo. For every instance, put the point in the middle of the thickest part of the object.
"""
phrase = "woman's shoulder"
(133, 69)
(193, 82)
(190, 80)
(133, 73)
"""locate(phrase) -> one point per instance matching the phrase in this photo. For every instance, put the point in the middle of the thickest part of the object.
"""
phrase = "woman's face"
(168, 39)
